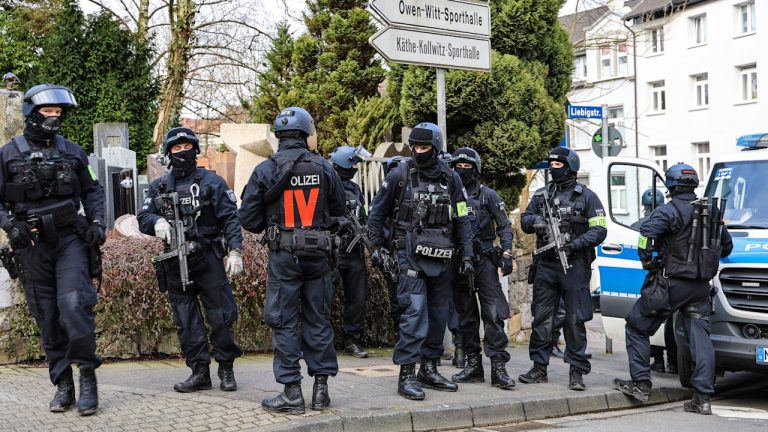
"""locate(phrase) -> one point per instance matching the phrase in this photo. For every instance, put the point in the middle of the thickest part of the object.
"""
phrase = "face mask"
(346, 173)
(467, 175)
(45, 125)
(426, 159)
(184, 161)
(559, 174)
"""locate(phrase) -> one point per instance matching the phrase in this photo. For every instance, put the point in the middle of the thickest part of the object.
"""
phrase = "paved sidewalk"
(140, 396)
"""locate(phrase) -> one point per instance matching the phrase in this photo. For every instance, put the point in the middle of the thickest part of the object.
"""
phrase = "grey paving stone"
(587, 403)
(545, 408)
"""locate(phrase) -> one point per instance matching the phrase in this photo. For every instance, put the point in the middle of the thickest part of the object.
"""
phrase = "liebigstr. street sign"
(585, 112)
(426, 48)
(456, 16)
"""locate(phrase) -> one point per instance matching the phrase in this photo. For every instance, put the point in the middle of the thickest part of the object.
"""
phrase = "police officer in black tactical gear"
(427, 203)
(208, 209)
(582, 219)
(292, 197)
(690, 248)
(489, 220)
(44, 180)
(351, 266)
(389, 232)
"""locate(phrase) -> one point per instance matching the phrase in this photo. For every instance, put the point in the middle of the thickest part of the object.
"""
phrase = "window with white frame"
(658, 97)
(656, 40)
(748, 83)
(622, 60)
(618, 192)
(703, 158)
(700, 90)
(580, 68)
(659, 155)
(698, 29)
(606, 62)
(746, 20)
(615, 117)
(581, 136)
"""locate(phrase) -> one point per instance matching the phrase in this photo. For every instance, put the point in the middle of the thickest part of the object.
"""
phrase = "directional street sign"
(426, 48)
(585, 112)
(456, 16)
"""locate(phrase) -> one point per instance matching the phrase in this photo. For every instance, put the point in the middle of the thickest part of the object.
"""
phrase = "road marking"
(739, 412)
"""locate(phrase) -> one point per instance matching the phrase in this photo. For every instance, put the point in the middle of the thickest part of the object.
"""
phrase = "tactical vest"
(43, 182)
(703, 264)
(195, 204)
(571, 210)
(303, 201)
(425, 214)
(352, 193)
(483, 225)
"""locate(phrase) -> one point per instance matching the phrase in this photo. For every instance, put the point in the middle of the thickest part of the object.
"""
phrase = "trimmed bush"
(133, 319)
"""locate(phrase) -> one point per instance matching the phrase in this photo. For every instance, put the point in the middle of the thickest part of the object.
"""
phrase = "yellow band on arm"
(598, 221)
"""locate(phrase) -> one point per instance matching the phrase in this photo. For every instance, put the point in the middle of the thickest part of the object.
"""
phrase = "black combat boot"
(472, 372)
(88, 402)
(354, 349)
(576, 380)
(290, 401)
(429, 377)
(640, 390)
(407, 386)
(700, 404)
(672, 368)
(227, 377)
(320, 398)
(499, 376)
(199, 380)
(537, 374)
(65, 394)
(658, 364)
(459, 357)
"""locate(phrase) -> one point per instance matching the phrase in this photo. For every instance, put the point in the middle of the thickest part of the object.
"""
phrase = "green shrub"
(133, 319)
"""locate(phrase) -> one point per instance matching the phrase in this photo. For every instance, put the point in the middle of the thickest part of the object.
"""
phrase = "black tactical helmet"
(180, 135)
(566, 156)
(47, 95)
(681, 174)
(469, 155)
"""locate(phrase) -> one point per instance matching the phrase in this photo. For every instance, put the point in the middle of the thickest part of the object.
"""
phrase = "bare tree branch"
(227, 21)
(111, 12)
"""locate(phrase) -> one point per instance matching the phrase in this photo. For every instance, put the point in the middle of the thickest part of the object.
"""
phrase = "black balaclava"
(559, 175)
(345, 173)
(426, 159)
(41, 129)
(468, 176)
(184, 162)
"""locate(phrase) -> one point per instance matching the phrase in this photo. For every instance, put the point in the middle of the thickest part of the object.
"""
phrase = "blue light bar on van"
(753, 141)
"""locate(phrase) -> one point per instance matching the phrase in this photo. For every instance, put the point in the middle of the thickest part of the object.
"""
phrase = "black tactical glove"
(466, 266)
(18, 234)
(379, 256)
(94, 236)
(540, 225)
(651, 265)
(506, 265)
(571, 246)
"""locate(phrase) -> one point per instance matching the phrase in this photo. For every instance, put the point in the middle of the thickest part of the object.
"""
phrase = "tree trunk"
(143, 22)
(181, 17)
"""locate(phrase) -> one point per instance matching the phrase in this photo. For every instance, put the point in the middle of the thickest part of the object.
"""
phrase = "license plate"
(762, 355)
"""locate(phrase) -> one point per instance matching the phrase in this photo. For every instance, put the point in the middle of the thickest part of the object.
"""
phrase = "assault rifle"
(388, 265)
(179, 248)
(554, 236)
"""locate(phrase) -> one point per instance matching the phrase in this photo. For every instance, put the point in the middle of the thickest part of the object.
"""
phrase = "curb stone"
(481, 414)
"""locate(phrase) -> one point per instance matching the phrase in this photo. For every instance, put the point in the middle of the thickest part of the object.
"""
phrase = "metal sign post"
(605, 144)
(441, 107)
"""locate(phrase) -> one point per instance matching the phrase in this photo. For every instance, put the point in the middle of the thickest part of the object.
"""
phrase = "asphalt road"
(741, 405)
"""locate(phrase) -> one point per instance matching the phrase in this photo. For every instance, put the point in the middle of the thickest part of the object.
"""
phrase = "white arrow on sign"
(455, 16)
(425, 48)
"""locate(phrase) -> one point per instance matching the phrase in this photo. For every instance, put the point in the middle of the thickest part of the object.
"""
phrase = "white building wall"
(616, 91)
(726, 117)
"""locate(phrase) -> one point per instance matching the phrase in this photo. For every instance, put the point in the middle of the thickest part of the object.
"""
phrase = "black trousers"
(494, 309)
(354, 281)
(61, 296)
(424, 305)
(213, 289)
(549, 285)
(300, 290)
(684, 295)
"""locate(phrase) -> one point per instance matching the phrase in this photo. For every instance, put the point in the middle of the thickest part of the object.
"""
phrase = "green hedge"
(133, 319)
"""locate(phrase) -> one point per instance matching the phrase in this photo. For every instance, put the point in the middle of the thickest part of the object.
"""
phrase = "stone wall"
(11, 120)
(520, 298)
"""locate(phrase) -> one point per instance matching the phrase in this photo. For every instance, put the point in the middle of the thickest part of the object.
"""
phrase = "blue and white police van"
(740, 318)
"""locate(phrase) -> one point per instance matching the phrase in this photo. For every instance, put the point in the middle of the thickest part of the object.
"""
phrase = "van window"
(635, 191)
(741, 185)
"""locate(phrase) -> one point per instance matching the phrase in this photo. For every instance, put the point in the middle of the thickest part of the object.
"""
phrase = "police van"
(740, 318)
